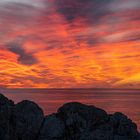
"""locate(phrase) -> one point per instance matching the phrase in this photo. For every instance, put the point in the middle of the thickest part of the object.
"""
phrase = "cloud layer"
(70, 43)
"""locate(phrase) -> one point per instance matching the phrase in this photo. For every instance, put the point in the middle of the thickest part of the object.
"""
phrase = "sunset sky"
(70, 43)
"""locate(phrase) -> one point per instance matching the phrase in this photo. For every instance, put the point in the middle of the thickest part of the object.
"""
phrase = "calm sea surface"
(126, 101)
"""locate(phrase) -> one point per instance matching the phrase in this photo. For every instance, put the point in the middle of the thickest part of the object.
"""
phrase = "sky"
(70, 44)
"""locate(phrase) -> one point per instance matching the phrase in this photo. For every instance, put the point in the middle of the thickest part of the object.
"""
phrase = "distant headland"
(73, 121)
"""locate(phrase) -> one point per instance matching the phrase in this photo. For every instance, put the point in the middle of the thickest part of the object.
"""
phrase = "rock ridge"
(73, 121)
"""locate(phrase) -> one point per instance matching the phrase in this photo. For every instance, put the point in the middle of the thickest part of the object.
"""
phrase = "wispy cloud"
(35, 3)
(69, 43)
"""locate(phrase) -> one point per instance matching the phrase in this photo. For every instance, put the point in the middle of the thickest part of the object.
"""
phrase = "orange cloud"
(54, 47)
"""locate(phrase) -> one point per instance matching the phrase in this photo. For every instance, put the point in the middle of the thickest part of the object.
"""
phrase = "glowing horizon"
(70, 44)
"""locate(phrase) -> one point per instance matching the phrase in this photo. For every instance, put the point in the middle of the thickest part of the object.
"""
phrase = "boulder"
(28, 118)
(53, 128)
(6, 109)
(83, 122)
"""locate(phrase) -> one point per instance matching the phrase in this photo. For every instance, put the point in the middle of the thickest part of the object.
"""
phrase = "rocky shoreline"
(73, 121)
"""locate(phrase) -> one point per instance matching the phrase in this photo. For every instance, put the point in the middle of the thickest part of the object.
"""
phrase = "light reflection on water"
(126, 101)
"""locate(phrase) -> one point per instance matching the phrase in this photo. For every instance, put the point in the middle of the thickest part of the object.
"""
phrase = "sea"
(126, 101)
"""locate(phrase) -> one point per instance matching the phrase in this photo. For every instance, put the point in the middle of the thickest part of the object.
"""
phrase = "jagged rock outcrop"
(73, 121)
(6, 108)
(53, 128)
(28, 118)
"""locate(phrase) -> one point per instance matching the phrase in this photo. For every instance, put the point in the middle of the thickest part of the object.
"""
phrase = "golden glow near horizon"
(58, 44)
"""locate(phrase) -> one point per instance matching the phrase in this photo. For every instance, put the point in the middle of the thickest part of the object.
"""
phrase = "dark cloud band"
(24, 58)
(91, 10)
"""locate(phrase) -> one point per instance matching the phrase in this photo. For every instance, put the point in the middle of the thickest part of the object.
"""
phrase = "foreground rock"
(28, 118)
(73, 121)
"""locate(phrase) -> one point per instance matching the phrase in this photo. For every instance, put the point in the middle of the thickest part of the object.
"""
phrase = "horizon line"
(73, 88)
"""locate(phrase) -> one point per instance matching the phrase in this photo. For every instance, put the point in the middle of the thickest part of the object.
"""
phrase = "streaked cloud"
(35, 3)
(119, 5)
(69, 43)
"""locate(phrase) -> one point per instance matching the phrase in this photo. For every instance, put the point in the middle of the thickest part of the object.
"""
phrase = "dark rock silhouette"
(73, 121)
(28, 119)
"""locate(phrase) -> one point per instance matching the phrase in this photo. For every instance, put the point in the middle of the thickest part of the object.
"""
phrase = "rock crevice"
(72, 121)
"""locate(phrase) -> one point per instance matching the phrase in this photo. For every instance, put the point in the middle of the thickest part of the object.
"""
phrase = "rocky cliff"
(73, 121)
